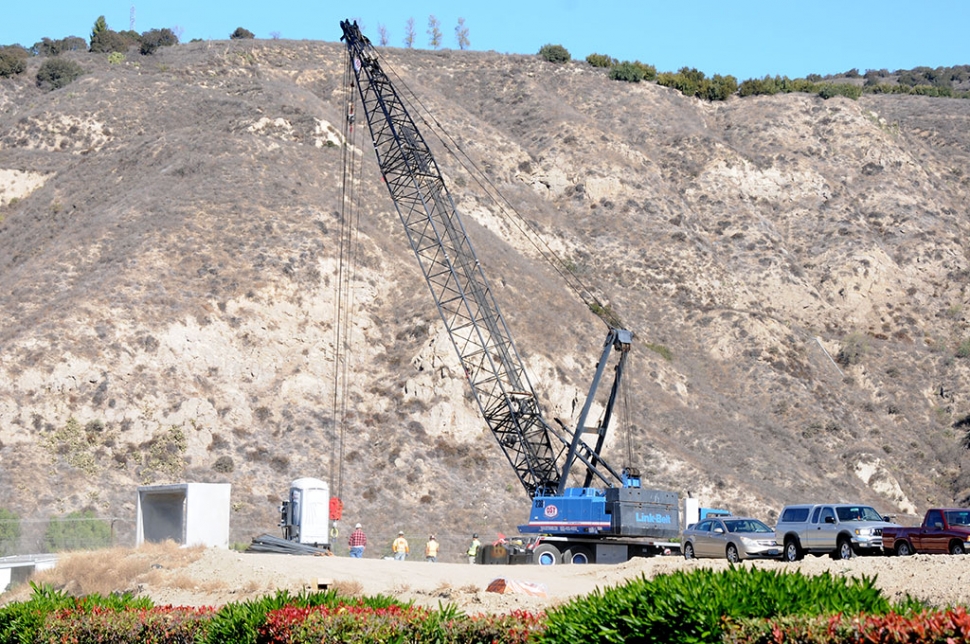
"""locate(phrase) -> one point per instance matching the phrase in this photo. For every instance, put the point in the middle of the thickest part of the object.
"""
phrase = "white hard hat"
(357, 526)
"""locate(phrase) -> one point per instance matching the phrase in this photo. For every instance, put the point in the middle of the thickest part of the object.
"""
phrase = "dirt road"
(221, 576)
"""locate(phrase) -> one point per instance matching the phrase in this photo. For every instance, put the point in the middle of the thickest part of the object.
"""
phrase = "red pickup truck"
(944, 530)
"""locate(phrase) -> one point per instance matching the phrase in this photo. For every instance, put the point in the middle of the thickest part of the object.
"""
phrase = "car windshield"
(961, 517)
(857, 513)
(746, 525)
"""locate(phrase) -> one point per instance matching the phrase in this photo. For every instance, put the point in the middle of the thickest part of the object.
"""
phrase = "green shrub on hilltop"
(633, 72)
(105, 41)
(241, 34)
(692, 82)
(830, 90)
(600, 60)
(152, 40)
(13, 61)
(58, 72)
(719, 88)
(48, 47)
(554, 53)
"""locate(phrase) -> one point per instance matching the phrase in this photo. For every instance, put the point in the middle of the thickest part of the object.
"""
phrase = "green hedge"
(697, 605)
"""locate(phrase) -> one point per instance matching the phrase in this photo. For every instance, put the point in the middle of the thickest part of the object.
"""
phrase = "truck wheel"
(903, 549)
(546, 554)
(732, 553)
(578, 555)
(956, 548)
(688, 550)
(792, 551)
(843, 550)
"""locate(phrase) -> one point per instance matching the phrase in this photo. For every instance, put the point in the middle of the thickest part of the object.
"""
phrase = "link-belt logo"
(654, 518)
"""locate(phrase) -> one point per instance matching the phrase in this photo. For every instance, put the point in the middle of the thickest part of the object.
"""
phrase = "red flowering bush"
(356, 623)
(158, 625)
(941, 627)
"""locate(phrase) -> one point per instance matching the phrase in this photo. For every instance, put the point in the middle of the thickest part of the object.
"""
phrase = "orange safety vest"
(401, 545)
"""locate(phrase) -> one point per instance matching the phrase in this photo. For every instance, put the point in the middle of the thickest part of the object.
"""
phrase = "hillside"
(169, 240)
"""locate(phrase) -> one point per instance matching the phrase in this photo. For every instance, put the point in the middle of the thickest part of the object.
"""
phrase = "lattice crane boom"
(462, 294)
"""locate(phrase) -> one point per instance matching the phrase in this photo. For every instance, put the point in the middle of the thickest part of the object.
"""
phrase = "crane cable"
(344, 293)
(506, 209)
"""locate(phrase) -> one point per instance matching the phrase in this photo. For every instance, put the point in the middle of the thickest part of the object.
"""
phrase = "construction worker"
(357, 542)
(473, 548)
(431, 550)
(400, 547)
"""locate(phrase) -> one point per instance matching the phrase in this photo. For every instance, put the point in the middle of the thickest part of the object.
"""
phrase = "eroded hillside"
(169, 251)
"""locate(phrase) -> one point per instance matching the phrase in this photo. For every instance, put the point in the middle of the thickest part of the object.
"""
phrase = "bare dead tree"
(382, 36)
(409, 34)
(434, 32)
(461, 35)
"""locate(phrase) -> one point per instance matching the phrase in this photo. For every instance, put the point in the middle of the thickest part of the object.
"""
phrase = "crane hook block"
(336, 508)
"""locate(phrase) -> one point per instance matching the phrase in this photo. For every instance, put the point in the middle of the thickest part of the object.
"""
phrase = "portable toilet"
(305, 516)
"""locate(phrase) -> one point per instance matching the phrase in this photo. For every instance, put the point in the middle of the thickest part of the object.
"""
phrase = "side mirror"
(830, 519)
(938, 525)
(718, 530)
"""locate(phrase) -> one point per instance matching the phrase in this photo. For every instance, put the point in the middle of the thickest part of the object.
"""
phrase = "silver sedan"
(734, 538)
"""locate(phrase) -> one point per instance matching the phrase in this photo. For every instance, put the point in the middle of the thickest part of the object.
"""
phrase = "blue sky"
(746, 38)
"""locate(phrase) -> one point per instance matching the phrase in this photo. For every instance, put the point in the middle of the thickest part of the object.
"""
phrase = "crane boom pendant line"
(461, 293)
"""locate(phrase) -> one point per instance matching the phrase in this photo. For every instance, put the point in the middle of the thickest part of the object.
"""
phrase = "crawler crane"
(610, 518)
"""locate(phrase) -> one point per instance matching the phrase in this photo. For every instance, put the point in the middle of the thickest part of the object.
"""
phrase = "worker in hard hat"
(473, 548)
(400, 547)
(431, 549)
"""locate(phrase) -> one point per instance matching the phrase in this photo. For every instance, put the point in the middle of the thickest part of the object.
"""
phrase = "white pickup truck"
(840, 530)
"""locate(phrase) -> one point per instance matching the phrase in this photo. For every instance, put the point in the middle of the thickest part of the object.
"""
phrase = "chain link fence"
(24, 537)
(59, 534)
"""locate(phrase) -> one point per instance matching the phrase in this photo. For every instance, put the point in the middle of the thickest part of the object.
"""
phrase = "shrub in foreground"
(156, 625)
(696, 605)
(358, 623)
(23, 622)
(947, 626)
(241, 623)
